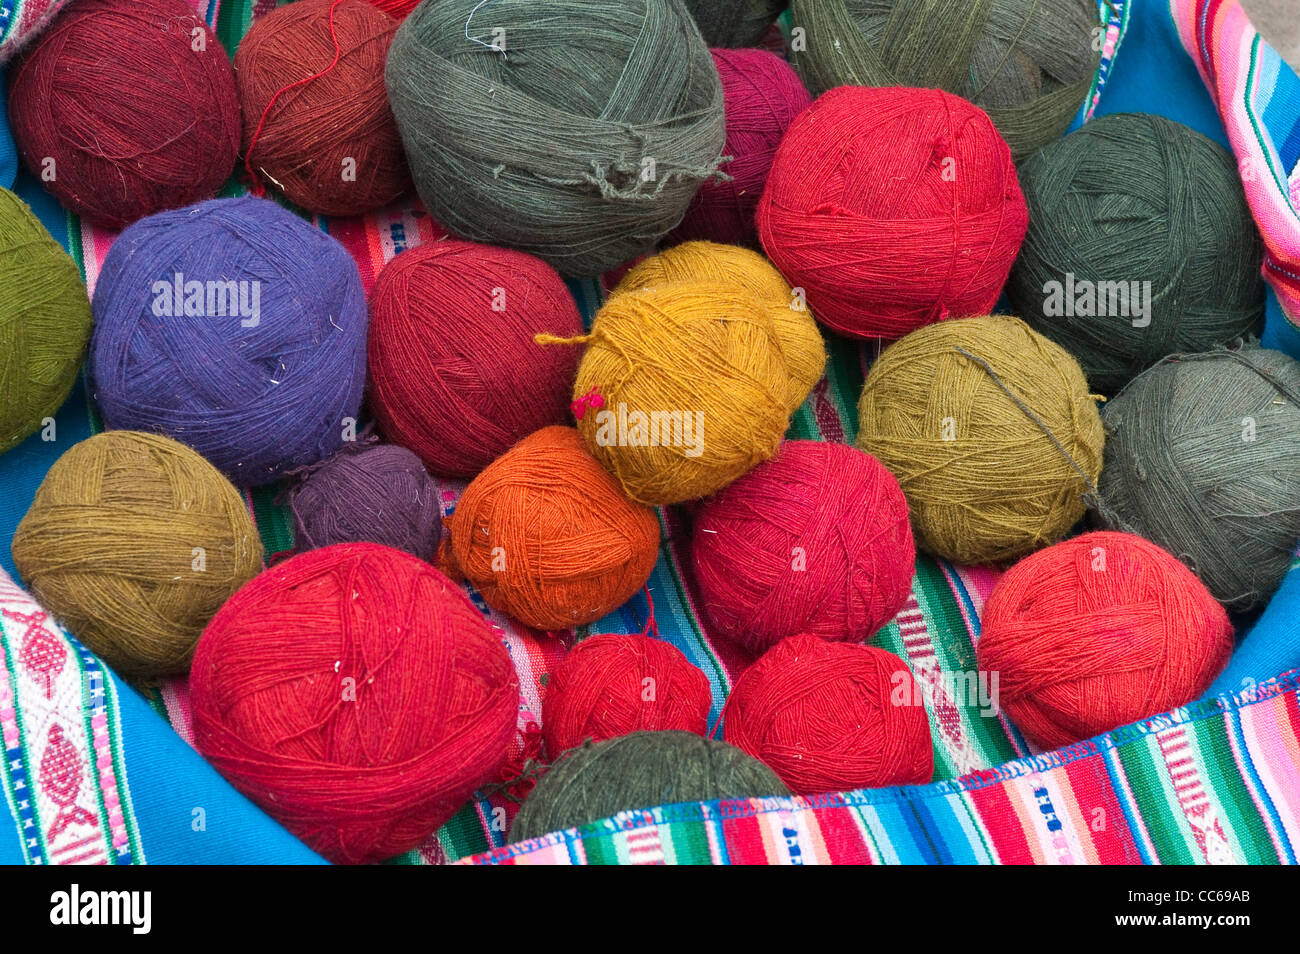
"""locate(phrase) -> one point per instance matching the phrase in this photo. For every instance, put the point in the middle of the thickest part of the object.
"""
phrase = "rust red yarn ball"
(455, 373)
(123, 109)
(816, 540)
(1096, 632)
(893, 208)
(357, 695)
(762, 94)
(610, 685)
(316, 119)
(831, 717)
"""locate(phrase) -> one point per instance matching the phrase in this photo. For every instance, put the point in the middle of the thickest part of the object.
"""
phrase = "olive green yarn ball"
(44, 322)
(134, 542)
(640, 770)
(1140, 245)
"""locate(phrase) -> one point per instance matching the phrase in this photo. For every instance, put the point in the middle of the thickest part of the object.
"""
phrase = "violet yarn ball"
(235, 327)
(815, 540)
(367, 493)
(761, 95)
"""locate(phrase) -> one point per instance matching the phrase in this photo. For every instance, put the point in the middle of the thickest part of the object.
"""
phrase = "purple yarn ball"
(235, 327)
(374, 493)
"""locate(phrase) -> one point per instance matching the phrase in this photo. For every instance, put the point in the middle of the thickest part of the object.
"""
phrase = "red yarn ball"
(122, 112)
(816, 540)
(455, 373)
(357, 695)
(893, 208)
(830, 717)
(610, 685)
(1097, 632)
(395, 8)
(762, 94)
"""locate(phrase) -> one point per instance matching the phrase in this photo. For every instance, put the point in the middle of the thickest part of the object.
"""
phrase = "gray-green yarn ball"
(734, 23)
(575, 130)
(640, 770)
(1203, 458)
(1140, 245)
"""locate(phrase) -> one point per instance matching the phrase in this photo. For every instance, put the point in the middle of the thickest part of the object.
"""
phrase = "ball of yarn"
(688, 389)
(885, 240)
(991, 432)
(134, 541)
(123, 109)
(831, 717)
(545, 534)
(398, 9)
(23, 24)
(316, 117)
(613, 116)
(1202, 457)
(761, 95)
(357, 695)
(455, 373)
(801, 341)
(610, 685)
(236, 327)
(379, 493)
(1123, 270)
(44, 322)
(1029, 63)
(815, 540)
(636, 771)
(734, 23)
(1096, 632)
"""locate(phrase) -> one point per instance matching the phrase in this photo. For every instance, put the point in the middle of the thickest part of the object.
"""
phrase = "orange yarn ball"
(546, 535)
(1097, 632)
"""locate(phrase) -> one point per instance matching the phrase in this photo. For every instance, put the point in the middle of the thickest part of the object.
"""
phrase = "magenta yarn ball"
(762, 94)
(816, 540)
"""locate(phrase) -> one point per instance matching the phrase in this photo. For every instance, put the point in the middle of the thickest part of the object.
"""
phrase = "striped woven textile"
(20, 20)
(1215, 783)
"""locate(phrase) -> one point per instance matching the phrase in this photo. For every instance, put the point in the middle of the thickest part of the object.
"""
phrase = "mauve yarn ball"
(123, 109)
(455, 373)
(377, 493)
(734, 23)
(233, 326)
(762, 95)
(316, 119)
(579, 136)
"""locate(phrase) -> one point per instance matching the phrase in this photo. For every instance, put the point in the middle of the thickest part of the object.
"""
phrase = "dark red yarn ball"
(357, 695)
(831, 717)
(610, 685)
(893, 208)
(124, 109)
(762, 95)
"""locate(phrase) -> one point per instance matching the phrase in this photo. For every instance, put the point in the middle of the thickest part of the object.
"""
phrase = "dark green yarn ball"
(1140, 245)
(640, 770)
(1203, 458)
(1028, 63)
(734, 23)
(44, 322)
(575, 130)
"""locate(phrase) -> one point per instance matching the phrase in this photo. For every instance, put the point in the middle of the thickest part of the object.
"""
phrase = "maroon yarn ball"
(816, 540)
(762, 94)
(610, 685)
(124, 109)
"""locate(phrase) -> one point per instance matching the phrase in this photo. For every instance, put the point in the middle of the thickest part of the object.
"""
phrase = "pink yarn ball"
(762, 94)
(816, 540)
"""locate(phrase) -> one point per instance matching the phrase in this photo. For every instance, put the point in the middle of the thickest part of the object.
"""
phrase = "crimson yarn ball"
(816, 540)
(357, 695)
(119, 114)
(831, 717)
(893, 208)
(761, 94)
(1097, 632)
(610, 685)
(322, 133)
(455, 373)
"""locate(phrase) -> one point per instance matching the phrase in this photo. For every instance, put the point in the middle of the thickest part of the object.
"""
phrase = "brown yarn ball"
(328, 140)
(134, 542)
